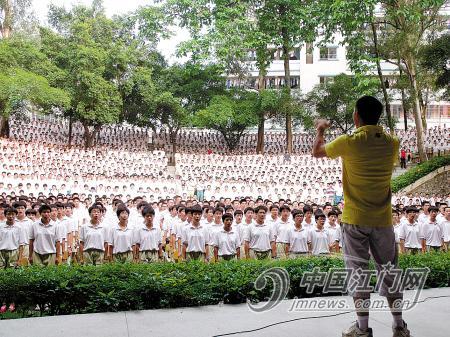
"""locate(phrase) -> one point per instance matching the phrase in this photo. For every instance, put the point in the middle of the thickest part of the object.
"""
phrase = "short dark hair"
(296, 212)
(307, 208)
(148, 210)
(121, 209)
(95, 206)
(260, 207)
(433, 208)
(369, 109)
(238, 211)
(248, 209)
(10, 210)
(320, 215)
(330, 213)
(285, 208)
(196, 209)
(227, 216)
(44, 208)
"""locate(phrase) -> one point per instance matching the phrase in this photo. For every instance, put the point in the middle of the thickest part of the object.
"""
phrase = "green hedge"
(113, 287)
(418, 172)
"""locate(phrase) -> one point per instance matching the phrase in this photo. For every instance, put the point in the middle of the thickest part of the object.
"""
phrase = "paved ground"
(430, 318)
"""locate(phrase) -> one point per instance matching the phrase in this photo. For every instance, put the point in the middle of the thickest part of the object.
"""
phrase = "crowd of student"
(63, 229)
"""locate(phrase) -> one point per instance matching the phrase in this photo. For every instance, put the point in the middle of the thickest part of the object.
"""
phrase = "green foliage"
(114, 287)
(417, 172)
(335, 101)
(230, 115)
(26, 78)
(434, 57)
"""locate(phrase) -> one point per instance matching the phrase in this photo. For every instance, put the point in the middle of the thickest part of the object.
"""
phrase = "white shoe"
(355, 331)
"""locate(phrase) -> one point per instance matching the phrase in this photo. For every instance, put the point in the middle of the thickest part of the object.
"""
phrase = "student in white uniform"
(12, 240)
(432, 234)
(23, 221)
(93, 239)
(227, 242)
(397, 224)
(319, 237)
(195, 238)
(148, 239)
(298, 236)
(214, 228)
(45, 239)
(334, 232)
(445, 224)
(121, 238)
(282, 227)
(308, 220)
(410, 242)
(260, 237)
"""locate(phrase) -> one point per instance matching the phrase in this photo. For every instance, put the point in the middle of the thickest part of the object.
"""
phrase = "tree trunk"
(287, 82)
(405, 110)
(383, 85)
(70, 129)
(173, 139)
(4, 127)
(89, 136)
(262, 119)
(411, 65)
(6, 25)
(423, 108)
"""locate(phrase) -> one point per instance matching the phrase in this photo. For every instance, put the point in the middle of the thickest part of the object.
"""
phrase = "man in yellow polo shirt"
(368, 156)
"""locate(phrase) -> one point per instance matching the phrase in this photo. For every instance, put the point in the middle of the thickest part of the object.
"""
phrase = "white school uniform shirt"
(432, 233)
(195, 238)
(11, 237)
(26, 224)
(281, 230)
(45, 237)
(319, 241)
(94, 237)
(334, 234)
(227, 242)
(446, 228)
(148, 238)
(312, 225)
(70, 223)
(181, 226)
(242, 230)
(397, 229)
(121, 239)
(410, 232)
(259, 236)
(213, 229)
(298, 239)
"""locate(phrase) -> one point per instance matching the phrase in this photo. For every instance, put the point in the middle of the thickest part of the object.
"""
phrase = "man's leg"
(355, 245)
(385, 253)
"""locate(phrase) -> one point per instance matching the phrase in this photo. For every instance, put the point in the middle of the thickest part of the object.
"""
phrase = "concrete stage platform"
(430, 318)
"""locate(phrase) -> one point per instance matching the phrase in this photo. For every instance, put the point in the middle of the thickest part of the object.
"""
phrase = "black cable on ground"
(311, 317)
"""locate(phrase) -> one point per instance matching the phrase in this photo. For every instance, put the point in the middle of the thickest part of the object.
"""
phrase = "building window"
(326, 79)
(328, 53)
(309, 53)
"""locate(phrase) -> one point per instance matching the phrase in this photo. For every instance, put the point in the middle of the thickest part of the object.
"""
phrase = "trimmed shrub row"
(418, 172)
(86, 289)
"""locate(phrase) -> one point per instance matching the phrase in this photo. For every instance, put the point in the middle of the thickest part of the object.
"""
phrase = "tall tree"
(89, 50)
(230, 115)
(335, 101)
(26, 79)
(16, 16)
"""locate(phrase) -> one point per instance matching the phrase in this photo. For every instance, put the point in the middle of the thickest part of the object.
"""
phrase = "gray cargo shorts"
(361, 242)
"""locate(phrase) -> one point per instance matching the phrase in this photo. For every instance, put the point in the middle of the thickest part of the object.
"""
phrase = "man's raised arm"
(318, 150)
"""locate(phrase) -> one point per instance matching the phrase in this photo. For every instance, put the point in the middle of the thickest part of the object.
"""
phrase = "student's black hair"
(395, 211)
(148, 210)
(307, 208)
(44, 208)
(218, 209)
(30, 211)
(121, 209)
(19, 204)
(247, 209)
(196, 209)
(425, 202)
(95, 206)
(369, 110)
(433, 208)
(181, 208)
(238, 211)
(411, 210)
(227, 216)
(330, 213)
(69, 205)
(296, 212)
(319, 215)
(274, 206)
(260, 207)
(10, 210)
(285, 207)
(141, 204)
